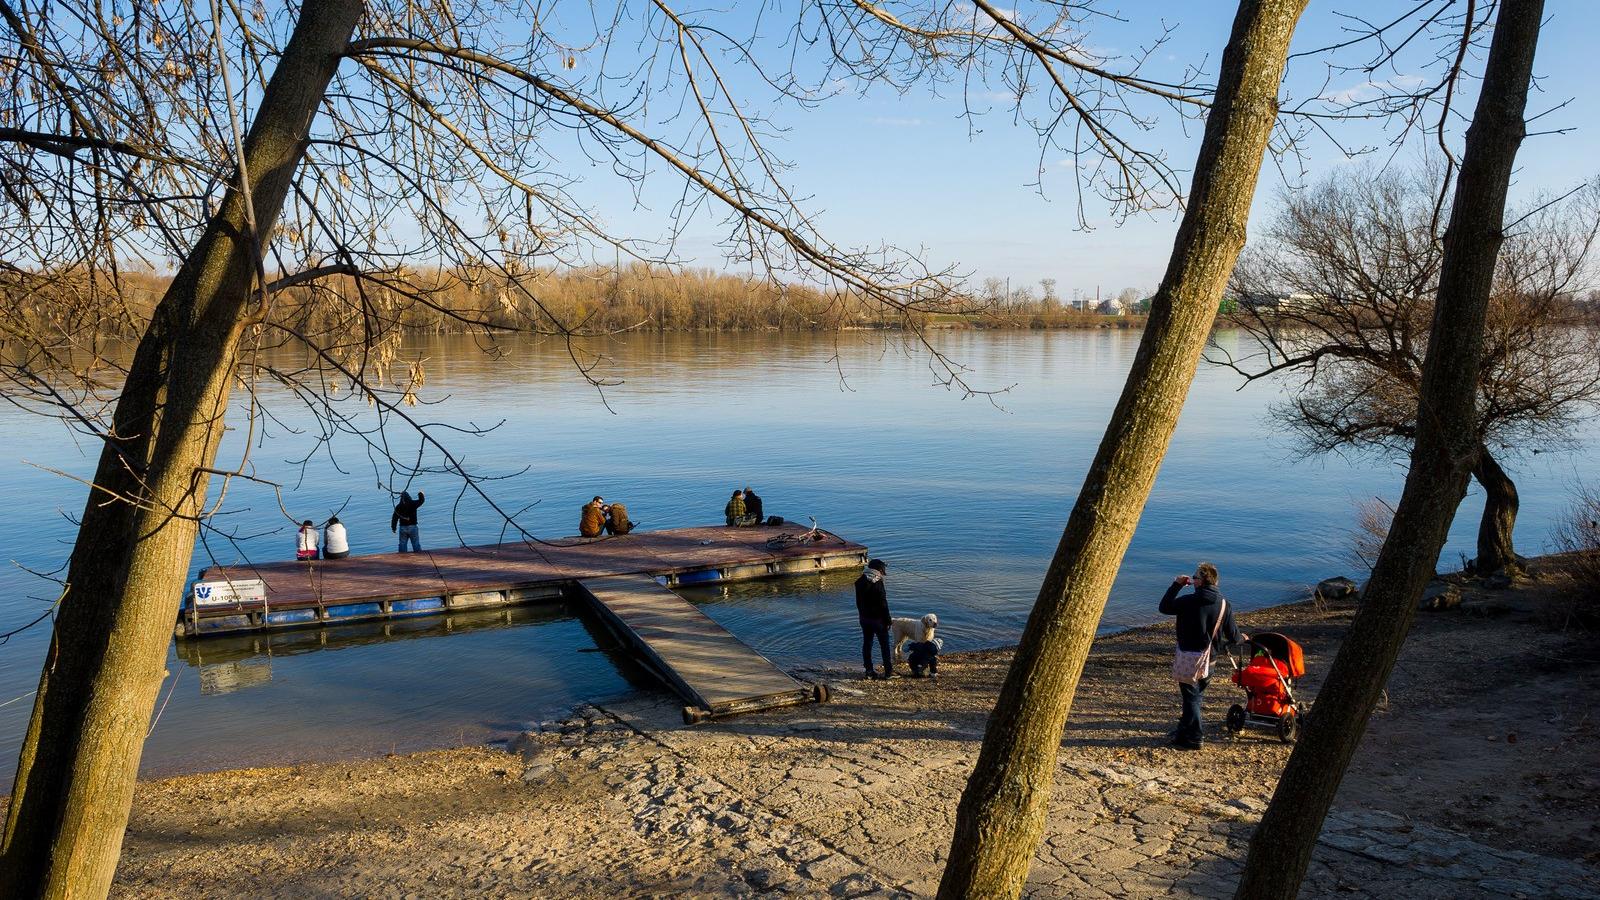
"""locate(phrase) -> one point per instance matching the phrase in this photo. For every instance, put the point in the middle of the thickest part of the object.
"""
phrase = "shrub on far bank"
(1578, 541)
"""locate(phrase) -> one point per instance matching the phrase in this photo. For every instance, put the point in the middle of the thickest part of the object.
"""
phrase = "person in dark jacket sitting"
(617, 521)
(752, 507)
(872, 609)
(734, 512)
(1198, 615)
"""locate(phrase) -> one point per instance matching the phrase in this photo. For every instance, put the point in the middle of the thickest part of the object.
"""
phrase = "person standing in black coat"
(872, 608)
(404, 521)
(1204, 618)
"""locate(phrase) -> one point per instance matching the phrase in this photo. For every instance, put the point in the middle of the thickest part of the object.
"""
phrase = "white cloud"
(1369, 90)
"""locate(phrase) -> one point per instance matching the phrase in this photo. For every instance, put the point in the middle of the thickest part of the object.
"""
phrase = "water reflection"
(966, 499)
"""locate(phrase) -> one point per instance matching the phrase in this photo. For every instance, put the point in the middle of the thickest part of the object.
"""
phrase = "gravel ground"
(1477, 779)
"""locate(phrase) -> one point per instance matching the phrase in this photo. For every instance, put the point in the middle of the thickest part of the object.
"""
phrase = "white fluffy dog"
(903, 630)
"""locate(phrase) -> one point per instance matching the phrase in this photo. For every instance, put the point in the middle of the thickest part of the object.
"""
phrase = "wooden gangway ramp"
(717, 673)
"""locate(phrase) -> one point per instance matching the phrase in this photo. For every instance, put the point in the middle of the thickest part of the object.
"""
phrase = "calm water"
(965, 498)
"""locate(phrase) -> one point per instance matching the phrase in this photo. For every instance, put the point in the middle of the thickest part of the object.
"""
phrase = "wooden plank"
(701, 659)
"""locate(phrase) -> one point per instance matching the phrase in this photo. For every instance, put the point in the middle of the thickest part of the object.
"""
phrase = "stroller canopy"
(1283, 650)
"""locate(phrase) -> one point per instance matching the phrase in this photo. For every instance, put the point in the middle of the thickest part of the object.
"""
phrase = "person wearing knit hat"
(872, 609)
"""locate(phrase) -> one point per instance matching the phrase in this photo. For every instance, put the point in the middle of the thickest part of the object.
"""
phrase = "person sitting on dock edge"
(617, 521)
(592, 521)
(1203, 615)
(335, 543)
(734, 513)
(404, 521)
(752, 507)
(306, 549)
(872, 608)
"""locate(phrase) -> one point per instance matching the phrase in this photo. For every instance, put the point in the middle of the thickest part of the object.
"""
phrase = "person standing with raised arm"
(1203, 615)
(404, 521)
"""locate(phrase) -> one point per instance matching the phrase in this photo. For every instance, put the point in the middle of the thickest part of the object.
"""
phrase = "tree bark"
(80, 757)
(1500, 503)
(1445, 451)
(1001, 814)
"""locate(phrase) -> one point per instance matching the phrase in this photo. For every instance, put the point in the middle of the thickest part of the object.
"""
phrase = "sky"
(909, 170)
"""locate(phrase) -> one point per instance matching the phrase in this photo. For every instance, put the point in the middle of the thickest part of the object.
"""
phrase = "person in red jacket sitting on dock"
(306, 549)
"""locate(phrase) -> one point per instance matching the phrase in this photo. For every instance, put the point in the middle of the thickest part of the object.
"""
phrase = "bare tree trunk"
(1001, 815)
(1445, 451)
(80, 758)
(1500, 503)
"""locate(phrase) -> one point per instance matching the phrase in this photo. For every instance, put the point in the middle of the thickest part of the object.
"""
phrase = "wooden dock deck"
(714, 671)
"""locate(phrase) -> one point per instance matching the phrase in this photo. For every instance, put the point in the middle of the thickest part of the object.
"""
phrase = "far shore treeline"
(639, 297)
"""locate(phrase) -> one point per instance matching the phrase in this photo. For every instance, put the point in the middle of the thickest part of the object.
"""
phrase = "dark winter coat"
(922, 653)
(617, 521)
(752, 507)
(405, 512)
(872, 599)
(1197, 616)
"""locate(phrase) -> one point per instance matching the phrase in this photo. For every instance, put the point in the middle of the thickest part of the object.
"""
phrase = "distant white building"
(1111, 308)
(1270, 301)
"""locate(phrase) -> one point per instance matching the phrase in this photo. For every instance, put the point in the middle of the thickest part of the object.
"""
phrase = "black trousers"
(871, 628)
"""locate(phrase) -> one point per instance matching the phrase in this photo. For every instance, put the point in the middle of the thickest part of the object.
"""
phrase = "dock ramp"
(718, 674)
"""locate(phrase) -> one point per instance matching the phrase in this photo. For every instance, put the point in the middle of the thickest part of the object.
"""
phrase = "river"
(964, 497)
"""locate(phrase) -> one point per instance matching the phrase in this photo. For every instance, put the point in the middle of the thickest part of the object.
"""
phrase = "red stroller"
(1272, 663)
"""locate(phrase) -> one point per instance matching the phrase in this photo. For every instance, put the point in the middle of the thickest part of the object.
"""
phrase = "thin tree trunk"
(1001, 815)
(80, 758)
(1500, 503)
(1446, 448)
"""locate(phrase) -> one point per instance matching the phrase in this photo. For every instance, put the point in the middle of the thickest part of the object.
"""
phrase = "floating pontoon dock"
(624, 578)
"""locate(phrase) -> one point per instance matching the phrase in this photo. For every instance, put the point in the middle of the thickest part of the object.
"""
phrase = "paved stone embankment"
(803, 816)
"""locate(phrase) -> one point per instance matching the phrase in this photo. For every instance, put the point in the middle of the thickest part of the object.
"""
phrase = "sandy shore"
(1477, 779)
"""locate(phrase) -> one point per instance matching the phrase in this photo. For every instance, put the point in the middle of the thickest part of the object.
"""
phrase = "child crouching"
(924, 655)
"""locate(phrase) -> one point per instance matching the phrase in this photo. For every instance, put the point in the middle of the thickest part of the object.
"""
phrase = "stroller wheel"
(1289, 726)
(1235, 718)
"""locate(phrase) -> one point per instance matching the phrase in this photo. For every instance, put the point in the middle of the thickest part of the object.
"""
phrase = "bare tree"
(1128, 298)
(1339, 294)
(1001, 816)
(1442, 457)
(189, 136)
(320, 148)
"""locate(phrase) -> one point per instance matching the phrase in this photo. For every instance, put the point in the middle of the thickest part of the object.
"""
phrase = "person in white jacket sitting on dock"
(335, 544)
(306, 549)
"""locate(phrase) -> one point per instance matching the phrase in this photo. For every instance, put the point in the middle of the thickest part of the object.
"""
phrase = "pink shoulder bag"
(1190, 666)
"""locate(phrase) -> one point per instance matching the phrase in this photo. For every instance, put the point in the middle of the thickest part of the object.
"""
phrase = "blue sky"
(911, 171)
